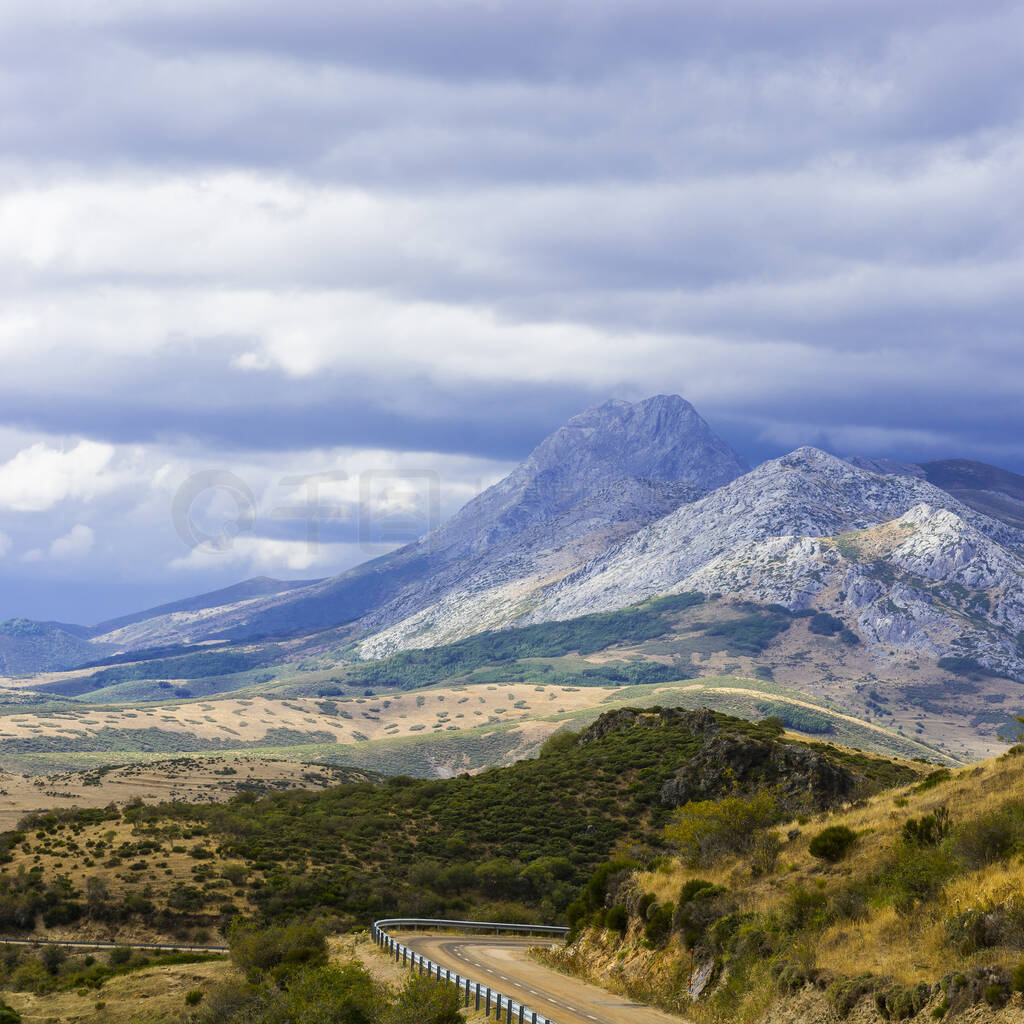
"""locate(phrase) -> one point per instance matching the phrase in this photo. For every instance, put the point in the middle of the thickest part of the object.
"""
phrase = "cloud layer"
(276, 242)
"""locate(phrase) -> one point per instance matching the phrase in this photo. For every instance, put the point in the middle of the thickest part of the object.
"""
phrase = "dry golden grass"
(164, 871)
(151, 994)
(907, 948)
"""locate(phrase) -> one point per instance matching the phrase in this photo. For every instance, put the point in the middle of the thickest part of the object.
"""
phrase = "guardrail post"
(487, 1008)
(403, 955)
(534, 1021)
(467, 991)
(508, 1016)
(520, 1013)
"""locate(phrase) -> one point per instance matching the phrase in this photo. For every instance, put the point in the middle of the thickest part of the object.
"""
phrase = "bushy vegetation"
(295, 983)
(833, 843)
(765, 943)
(753, 632)
(516, 842)
(185, 666)
(705, 830)
(53, 969)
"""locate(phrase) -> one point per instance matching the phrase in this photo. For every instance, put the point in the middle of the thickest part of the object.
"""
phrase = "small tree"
(53, 956)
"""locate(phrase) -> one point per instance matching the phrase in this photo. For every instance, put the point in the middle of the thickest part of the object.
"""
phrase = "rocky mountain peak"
(662, 440)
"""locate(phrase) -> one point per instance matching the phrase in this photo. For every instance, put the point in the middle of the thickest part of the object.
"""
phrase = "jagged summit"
(660, 440)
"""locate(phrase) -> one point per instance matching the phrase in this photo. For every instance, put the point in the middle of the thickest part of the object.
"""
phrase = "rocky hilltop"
(895, 558)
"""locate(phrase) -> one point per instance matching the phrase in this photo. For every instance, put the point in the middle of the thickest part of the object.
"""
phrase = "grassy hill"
(906, 905)
(516, 840)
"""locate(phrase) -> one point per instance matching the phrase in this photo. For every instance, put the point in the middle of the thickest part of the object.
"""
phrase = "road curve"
(503, 963)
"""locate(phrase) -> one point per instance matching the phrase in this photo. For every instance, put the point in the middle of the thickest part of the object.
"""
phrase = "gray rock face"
(900, 561)
(615, 450)
(806, 494)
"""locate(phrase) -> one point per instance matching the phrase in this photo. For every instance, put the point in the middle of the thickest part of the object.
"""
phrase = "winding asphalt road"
(504, 964)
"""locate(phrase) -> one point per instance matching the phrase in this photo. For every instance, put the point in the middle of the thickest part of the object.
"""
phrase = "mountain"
(608, 472)
(994, 492)
(894, 558)
(27, 646)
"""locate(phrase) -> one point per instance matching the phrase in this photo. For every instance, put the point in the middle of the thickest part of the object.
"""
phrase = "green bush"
(705, 829)
(193, 997)
(928, 830)
(993, 836)
(659, 924)
(902, 1003)
(833, 843)
(617, 919)
(1017, 981)
(278, 948)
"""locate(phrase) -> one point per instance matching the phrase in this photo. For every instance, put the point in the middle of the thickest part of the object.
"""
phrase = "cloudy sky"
(258, 258)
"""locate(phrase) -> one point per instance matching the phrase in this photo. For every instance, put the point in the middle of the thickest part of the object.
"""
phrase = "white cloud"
(39, 477)
(75, 543)
(264, 555)
(5, 544)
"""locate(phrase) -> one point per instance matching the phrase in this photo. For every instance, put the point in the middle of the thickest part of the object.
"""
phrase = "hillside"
(510, 841)
(494, 698)
(906, 905)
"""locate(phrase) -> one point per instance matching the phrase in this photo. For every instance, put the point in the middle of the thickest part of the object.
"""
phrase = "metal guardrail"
(43, 941)
(515, 1013)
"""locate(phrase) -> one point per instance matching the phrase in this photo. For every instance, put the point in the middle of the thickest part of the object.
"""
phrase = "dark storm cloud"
(494, 421)
(405, 94)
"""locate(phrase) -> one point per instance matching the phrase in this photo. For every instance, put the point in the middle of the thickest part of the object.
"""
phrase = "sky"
(281, 286)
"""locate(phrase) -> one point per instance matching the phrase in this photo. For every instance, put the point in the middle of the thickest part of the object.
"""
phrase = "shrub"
(659, 924)
(824, 624)
(992, 836)
(805, 908)
(706, 829)
(765, 854)
(846, 993)
(425, 1002)
(120, 955)
(52, 957)
(900, 1003)
(833, 843)
(278, 948)
(617, 919)
(9, 1015)
(929, 830)
(1017, 982)
(916, 873)
(193, 997)
(995, 994)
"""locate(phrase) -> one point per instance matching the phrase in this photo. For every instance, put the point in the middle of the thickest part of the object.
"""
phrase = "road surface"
(504, 964)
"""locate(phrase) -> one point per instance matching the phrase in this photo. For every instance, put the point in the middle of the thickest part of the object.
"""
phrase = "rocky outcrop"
(728, 763)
